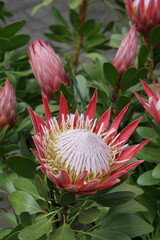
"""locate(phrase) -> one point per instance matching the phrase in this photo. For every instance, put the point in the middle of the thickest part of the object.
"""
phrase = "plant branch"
(82, 15)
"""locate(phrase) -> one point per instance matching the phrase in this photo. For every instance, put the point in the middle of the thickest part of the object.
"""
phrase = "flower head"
(78, 153)
(126, 54)
(153, 104)
(7, 105)
(144, 13)
(47, 67)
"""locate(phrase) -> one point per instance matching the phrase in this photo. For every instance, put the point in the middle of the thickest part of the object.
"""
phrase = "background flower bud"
(47, 67)
(127, 51)
(7, 105)
(144, 13)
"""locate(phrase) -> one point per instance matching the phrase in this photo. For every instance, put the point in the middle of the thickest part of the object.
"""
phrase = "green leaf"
(142, 56)
(41, 187)
(149, 154)
(74, 19)
(6, 180)
(22, 165)
(36, 230)
(74, 3)
(94, 42)
(131, 77)
(17, 42)
(25, 218)
(156, 171)
(147, 179)
(87, 28)
(111, 73)
(129, 224)
(26, 185)
(129, 207)
(104, 234)
(147, 132)
(3, 132)
(58, 17)
(10, 218)
(60, 30)
(10, 29)
(4, 232)
(122, 102)
(4, 42)
(154, 36)
(89, 215)
(67, 198)
(128, 187)
(38, 6)
(115, 198)
(62, 233)
(127, 79)
(23, 202)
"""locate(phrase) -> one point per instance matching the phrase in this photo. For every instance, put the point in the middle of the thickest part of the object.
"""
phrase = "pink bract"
(7, 105)
(144, 13)
(47, 67)
(127, 51)
(152, 105)
(80, 154)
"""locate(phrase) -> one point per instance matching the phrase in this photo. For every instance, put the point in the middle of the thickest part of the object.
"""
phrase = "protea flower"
(144, 13)
(7, 105)
(77, 153)
(47, 67)
(126, 54)
(153, 104)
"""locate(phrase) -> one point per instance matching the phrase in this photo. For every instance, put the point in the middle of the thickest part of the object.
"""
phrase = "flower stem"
(82, 15)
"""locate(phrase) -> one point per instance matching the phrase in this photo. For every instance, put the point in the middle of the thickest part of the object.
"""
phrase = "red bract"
(7, 105)
(77, 152)
(144, 13)
(153, 104)
(47, 67)
(126, 54)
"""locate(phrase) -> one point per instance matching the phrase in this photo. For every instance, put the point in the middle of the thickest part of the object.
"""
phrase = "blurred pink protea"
(153, 104)
(77, 152)
(144, 13)
(7, 105)
(127, 51)
(47, 67)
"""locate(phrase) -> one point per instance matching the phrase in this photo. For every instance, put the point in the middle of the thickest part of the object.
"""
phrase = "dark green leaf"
(122, 102)
(6, 180)
(60, 30)
(142, 56)
(104, 234)
(94, 42)
(67, 198)
(86, 29)
(115, 198)
(154, 36)
(89, 215)
(22, 166)
(41, 187)
(23, 202)
(4, 232)
(64, 232)
(25, 219)
(111, 73)
(74, 19)
(58, 17)
(10, 29)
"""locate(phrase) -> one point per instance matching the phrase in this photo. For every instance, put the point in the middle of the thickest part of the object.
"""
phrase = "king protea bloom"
(127, 52)
(7, 105)
(152, 105)
(77, 152)
(144, 13)
(47, 67)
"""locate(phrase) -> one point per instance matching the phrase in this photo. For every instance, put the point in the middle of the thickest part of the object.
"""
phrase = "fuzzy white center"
(83, 150)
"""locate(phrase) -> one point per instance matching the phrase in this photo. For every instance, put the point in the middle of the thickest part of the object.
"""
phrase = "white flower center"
(82, 150)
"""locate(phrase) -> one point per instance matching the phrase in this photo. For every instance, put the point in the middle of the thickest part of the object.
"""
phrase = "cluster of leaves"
(40, 211)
